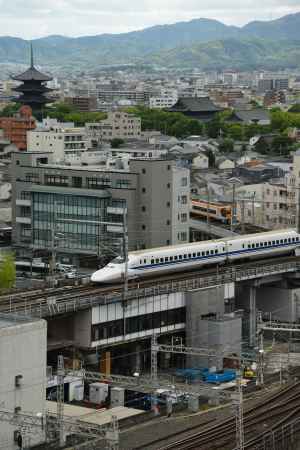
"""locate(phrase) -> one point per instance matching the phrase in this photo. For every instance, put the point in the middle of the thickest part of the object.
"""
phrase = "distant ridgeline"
(202, 43)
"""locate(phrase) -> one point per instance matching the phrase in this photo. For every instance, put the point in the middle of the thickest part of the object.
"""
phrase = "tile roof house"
(253, 116)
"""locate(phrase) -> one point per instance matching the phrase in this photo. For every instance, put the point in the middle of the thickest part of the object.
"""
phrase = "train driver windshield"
(118, 260)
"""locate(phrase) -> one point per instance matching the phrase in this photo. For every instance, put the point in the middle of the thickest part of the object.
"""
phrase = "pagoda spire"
(31, 56)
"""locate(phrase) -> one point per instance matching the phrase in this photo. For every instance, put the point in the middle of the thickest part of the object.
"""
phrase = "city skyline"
(87, 17)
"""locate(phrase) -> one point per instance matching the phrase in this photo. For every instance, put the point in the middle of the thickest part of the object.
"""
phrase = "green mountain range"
(202, 43)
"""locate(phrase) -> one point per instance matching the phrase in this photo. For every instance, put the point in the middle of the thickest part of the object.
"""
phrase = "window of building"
(143, 227)
(77, 182)
(184, 181)
(144, 171)
(183, 217)
(168, 222)
(56, 180)
(123, 184)
(183, 199)
(143, 190)
(168, 204)
(98, 183)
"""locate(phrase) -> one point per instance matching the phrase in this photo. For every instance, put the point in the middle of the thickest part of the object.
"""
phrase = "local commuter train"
(176, 258)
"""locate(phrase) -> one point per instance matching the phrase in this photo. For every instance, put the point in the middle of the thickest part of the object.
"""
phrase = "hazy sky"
(36, 18)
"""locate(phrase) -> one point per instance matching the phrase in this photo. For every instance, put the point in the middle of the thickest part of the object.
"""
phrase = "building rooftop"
(195, 104)
(11, 320)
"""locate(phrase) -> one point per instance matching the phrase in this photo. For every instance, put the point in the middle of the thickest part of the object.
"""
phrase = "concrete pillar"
(252, 316)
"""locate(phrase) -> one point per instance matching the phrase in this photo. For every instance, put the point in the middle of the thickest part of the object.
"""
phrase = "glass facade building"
(75, 222)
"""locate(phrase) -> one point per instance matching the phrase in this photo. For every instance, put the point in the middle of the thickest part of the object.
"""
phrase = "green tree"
(295, 108)
(7, 271)
(226, 146)
(236, 132)
(116, 142)
(10, 110)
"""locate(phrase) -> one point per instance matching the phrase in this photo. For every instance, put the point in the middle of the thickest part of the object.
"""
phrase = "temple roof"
(32, 74)
(194, 104)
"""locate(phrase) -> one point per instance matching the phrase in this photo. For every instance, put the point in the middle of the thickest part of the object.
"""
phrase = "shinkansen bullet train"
(176, 258)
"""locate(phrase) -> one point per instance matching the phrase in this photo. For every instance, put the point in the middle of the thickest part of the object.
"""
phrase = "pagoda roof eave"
(32, 74)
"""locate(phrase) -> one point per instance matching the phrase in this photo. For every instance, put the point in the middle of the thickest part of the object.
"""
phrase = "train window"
(145, 261)
(203, 253)
(243, 245)
(277, 241)
(152, 261)
(161, 260)
(285, 241)
(253, 245)
(273, 242)
(249, 245)
(194, 255)
(261, 244)
(211, 252)
(265, 244)
(257, 244)
(199, 254)
(141, 261)
(166, 259)
(171, 258)
(180, 256)
(185, 256)
(157, 261)
(289, 239)
(189, 255)
(281, 241)
(293, 239)
(175, 258)
(216, 251)
(269, 243)
(207, 252)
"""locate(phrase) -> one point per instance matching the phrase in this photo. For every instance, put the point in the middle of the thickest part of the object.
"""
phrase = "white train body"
(155, 261)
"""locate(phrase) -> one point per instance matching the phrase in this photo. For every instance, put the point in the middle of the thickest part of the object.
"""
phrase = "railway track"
(273, 412)
(16, 302)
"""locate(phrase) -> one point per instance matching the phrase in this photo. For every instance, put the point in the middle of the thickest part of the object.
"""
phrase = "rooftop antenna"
(31, 56)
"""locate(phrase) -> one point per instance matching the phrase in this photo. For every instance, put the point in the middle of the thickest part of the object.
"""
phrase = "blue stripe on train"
(216, 255)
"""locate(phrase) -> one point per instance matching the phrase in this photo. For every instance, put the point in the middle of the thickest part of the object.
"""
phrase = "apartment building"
(118, 124)
(63, 142)
(82, 208)
(271, 205)
(165, 100)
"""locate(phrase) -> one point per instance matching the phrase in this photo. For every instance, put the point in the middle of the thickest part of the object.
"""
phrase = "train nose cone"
(106, 276)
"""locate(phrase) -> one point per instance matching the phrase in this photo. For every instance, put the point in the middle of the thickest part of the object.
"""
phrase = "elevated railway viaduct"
(200, 304)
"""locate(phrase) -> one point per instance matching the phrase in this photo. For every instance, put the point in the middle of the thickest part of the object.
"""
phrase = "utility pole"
(125, 257)
(208, 208)
(243, 215)
(239, 412)
(253, 209)
(60, 399)
(154, 351)
(260, 361)
(233, 212)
